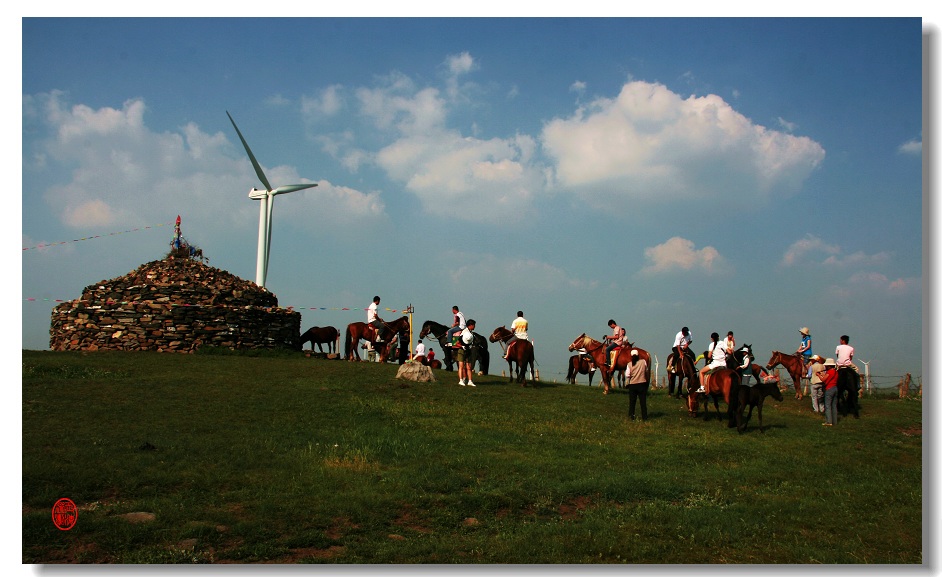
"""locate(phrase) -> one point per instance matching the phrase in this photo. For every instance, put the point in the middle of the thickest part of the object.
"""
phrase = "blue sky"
(754, 175)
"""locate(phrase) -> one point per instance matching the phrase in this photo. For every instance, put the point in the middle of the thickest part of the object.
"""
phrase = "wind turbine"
(267, 196)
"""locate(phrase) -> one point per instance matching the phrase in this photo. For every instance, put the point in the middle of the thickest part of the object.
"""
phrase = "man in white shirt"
(457, 325)
(845, 353)
(519, 328)
(682, 342)
(372, 318)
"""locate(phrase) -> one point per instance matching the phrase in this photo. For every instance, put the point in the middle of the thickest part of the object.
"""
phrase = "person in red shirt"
(829, 379)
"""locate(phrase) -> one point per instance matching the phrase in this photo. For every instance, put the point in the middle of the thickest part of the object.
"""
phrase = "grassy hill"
(288, 459)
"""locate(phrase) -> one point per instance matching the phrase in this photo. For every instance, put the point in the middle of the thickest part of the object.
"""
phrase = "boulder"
(415, 372)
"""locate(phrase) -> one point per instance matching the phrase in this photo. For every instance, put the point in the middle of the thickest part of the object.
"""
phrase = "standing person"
(829, 379)
(716, 354)
(682, 343)
(519, 327)
(457, 324)
(464, 355)
(804, 349)
(817, 385)
(616, 339)
(845, 354)
(419, 350)
(637, 386)
(372, 319)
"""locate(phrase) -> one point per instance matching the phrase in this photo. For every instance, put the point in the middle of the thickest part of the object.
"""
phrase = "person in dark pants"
(637, 386)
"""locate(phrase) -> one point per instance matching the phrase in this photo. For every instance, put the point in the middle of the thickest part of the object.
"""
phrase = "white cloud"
(876, 284)
(128, 175)
(786, 125)
(680, 254)
(650, 143)
(466, 178)
(795, 253)
(811, 248)
(913, 147)
(328, 103)
(459, 64)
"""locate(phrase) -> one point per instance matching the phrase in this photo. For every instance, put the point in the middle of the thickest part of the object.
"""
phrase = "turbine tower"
(267, 198)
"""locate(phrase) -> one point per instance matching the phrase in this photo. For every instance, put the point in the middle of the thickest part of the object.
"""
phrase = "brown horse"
(362, 331)
(793, 364)
(721, 382)
(579, 365)
(685, 370)
(597, 351)
(321, 336)
(519, 352)
(754, 396)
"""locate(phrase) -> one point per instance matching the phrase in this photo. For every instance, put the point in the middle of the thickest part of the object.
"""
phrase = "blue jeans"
(830, 405)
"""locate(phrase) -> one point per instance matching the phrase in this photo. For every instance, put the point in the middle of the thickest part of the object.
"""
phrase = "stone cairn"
(177, 304)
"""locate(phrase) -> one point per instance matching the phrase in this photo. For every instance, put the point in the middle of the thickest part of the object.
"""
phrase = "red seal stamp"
(64, 514)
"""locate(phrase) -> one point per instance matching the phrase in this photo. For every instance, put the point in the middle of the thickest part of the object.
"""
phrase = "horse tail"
(346, 345)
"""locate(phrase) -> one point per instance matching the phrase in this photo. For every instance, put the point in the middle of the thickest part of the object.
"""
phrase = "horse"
(519, 352)
(479, 352)
(793, 364)
(848, 387)
(754, 396)
(321, 336)
(578, 364)
(597, 351)
(362, 331)
(721, 381)
(677, 374)
(438, 331)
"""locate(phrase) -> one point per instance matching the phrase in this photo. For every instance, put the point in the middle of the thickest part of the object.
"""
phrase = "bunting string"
(50, 244)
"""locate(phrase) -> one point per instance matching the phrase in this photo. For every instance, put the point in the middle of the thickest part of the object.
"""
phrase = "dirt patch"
(407, 519)
(574, 508)
(912, 431)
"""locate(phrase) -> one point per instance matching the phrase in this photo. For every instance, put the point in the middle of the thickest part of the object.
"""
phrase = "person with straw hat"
(817, 385)
(804, 349)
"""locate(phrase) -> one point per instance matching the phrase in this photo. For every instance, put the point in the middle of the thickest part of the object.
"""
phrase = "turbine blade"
(258, 169)
(292, 188)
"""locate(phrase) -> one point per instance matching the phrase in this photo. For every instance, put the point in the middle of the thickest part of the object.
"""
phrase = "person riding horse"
(717, 353)
(804, 349)
(618, 338)
(519, 327)
(682, 343)
(373, 320)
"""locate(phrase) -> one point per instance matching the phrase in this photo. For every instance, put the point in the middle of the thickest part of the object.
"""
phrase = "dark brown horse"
(321, 336)
(579, 365)
(848, 389)
(686, 370)
(519, 352)
(597, 351)
(362, 331)
(438, 331)
(793, 364)
(754, 396)
(722, 382)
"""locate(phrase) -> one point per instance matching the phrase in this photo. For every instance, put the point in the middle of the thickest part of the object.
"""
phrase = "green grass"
(287, 459)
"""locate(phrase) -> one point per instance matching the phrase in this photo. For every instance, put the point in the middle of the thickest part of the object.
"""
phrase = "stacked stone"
(174, 305)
